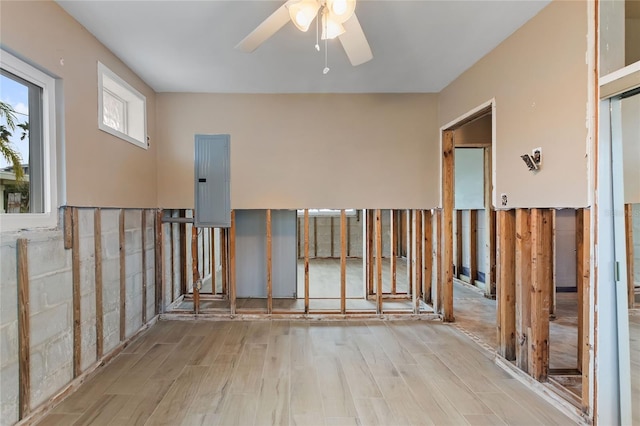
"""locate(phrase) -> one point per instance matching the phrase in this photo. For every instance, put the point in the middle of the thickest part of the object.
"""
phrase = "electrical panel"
(212, 181)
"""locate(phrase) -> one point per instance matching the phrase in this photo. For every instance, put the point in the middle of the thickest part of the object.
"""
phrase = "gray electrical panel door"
(212, 181)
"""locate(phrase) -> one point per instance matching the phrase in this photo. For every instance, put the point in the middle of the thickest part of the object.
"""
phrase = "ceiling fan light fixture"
(303, 13)
(341, 10)
(331, 28)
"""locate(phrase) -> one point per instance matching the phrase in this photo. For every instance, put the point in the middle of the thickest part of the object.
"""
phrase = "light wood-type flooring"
(303, 372)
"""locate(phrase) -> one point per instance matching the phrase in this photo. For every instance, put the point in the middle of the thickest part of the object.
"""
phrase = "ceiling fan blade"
(355, 43)
(266, 29)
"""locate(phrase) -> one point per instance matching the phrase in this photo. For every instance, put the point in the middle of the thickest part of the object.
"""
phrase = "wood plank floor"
(303, 372)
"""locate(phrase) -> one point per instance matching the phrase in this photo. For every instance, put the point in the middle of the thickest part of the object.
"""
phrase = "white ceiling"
(188, 46)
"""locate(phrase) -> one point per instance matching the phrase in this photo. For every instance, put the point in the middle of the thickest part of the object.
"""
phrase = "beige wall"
(538, 77)
(297, 151)
(101, 170)
(478, 132)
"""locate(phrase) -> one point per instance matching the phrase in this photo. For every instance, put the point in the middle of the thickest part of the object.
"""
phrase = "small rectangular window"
(122, 110)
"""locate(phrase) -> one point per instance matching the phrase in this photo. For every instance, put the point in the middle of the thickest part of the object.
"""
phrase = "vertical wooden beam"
(343, 261)
(75, 268)
(232, 263)
(628, 226)
(584, 307)
(123, 278)
(159, 262)
(370, 249)
(417, 289)
(437, 300)
(394, 249)
(580, 279)
(506, 284)
(212, 260)
(540, 277)
(306, 261)
(172, 260)
(410, 241)
(183, 253)
(224, 260)
(523, 278)
(492, 256)
(24, 329)
(428, 256)
(144, 266)
(459, 252)
(379, 261)
(554, 254)
(97, 253)
(68, 227)
(269, 265)
(447, 224)
(473, 246)
(195, 270)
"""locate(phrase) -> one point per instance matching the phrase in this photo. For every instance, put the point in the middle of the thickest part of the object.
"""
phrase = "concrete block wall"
(51, 302)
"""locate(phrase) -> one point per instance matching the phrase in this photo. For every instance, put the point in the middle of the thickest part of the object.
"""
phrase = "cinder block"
(48, 256)
(50, 323)
(133, 263)
(8, 265)
(8, 343)
(8, 303)
(87, 276)
(132, 219)
(85, 222)
(51, 384)
(9, 394)
(110, 245)
(88, 308)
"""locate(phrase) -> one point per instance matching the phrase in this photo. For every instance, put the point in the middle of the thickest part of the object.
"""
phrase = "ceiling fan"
(338, 20)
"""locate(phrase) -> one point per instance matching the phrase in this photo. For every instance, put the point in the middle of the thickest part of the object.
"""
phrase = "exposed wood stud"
(447, 224)
(232, 263)
(24, 329)
(393, 260)
(459, 246)
(370, 249)
(585, 308)
(428, 256)
(628, 215)
(306, 261)
(75, 268)
(172, 260)
(417, 230)
(437, 300)
(269, 265)
(224, 259)
(473, 246)
(97, 252)
(144, 266)
(409, 240)
(540, 277)
(183, 253)
(506, 284)
(159, 263)
(212, 261)
(343, 261)
(579, 280)
(68, 231)
(123, 278)
(379, 262)
(195, 271)
(491, 287)
(554, 255)
(523, 277)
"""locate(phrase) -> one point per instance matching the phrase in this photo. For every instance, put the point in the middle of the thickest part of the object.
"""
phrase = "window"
(122, 110)
(28, 196)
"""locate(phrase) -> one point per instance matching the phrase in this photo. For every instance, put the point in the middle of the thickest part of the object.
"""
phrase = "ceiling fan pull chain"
(326, 51)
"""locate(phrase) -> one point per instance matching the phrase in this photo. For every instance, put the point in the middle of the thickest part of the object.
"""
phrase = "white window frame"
(48, 218)
(135, 107)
